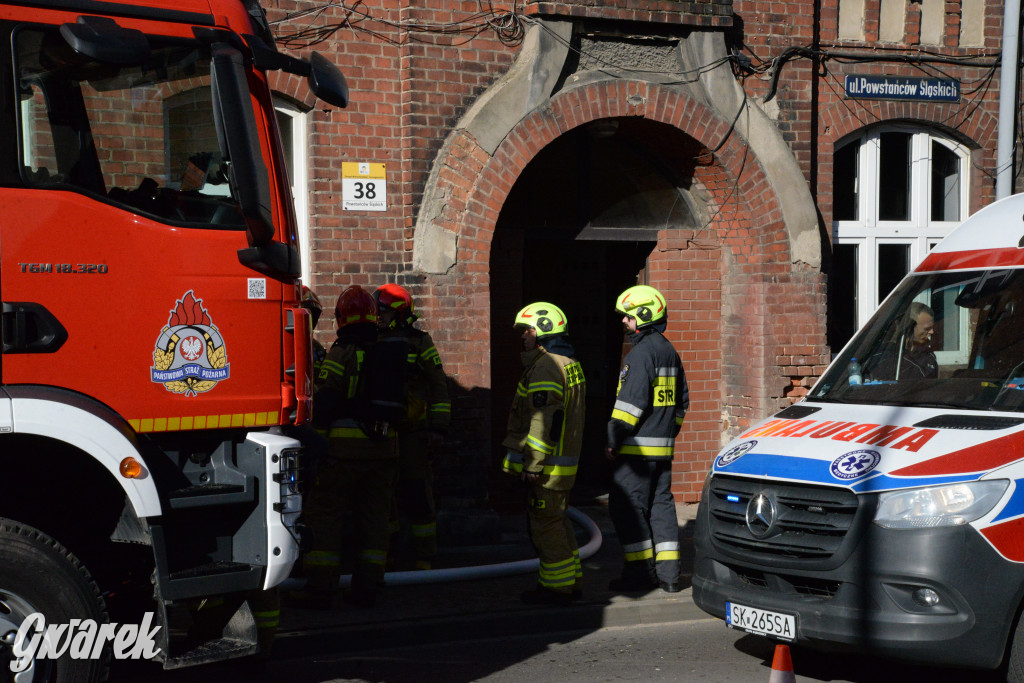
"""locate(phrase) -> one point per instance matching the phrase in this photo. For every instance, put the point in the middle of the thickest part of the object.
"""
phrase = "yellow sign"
(363, 186)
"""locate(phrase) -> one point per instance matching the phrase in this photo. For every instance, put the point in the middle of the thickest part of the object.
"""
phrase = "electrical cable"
(508, 27)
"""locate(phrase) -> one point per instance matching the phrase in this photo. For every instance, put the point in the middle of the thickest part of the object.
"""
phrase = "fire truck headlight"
(936, 506)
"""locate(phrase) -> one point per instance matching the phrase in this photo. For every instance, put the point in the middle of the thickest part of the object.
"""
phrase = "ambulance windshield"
(953, 340)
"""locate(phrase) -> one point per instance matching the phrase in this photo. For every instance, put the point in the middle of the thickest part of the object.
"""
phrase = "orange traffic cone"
(782, 666)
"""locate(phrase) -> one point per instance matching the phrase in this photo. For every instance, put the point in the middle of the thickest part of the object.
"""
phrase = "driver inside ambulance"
(911, 355)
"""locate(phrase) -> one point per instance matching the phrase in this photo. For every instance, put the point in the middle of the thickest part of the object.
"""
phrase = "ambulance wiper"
(933, 404)
(831, 399)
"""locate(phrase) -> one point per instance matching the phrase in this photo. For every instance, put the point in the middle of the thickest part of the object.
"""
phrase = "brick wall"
(751, 326)
(810, 87)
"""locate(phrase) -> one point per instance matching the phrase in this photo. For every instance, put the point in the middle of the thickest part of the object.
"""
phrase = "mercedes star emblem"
(760, 515)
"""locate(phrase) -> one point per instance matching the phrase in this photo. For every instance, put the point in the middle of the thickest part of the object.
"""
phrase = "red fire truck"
(155, 354)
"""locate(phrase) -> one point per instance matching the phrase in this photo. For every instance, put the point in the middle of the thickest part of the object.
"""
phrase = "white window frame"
(298, 176)
(28, 131)
(920, 233)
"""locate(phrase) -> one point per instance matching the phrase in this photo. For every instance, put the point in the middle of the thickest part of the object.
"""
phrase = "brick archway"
(978, 131)
(836, 121)
(747, 345)
(293, 87)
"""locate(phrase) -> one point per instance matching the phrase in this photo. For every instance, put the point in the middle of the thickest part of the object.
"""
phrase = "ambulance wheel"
(39, 575)
(1014, 664)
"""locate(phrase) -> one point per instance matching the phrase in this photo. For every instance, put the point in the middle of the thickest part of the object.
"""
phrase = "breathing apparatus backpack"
(381, 394)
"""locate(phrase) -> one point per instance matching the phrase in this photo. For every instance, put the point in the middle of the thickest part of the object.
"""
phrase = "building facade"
(773, 168)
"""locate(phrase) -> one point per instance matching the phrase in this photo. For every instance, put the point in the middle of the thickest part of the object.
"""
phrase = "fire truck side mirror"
(235, 121)
(102, 39)
(326, 81)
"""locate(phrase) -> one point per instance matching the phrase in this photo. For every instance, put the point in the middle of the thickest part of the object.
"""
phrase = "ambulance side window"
(999, 330)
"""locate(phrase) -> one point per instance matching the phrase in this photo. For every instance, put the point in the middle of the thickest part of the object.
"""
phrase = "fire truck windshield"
(139, 136)
(951, 340)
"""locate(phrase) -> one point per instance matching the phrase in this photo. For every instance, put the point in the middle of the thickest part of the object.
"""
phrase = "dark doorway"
(590, 276)
(582, 278)
(575, 231)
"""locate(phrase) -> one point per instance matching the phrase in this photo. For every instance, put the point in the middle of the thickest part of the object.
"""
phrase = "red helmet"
(396, 298)
(355, 305)
(311, 302)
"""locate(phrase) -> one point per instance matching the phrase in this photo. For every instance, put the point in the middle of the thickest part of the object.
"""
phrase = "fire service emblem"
(189, 357)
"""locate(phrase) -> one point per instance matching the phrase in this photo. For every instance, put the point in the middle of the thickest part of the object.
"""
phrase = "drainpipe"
(1007, 99)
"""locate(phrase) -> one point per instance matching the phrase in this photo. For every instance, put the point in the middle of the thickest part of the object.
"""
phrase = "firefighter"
(545, 433)
(650, 404)
(425, 425)
(357, 474)
(311, 302)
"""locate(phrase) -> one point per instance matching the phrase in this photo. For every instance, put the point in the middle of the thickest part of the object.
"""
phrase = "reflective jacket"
(428, 404)
(335, 406)
(545, 425)
(651, 400)
(319, 355)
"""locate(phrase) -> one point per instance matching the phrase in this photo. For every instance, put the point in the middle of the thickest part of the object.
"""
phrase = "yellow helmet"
(546, 318)
(644, 303)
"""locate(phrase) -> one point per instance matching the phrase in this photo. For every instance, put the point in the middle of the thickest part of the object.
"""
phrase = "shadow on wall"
(470, 490)
(465, 469)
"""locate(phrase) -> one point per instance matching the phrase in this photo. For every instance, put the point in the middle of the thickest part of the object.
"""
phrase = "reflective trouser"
(211, 615)
(643, 511)
(416, 494)
(362, 488)
(554, 539)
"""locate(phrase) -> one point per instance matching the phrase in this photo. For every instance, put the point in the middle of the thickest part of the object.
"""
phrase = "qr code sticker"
(257, 288)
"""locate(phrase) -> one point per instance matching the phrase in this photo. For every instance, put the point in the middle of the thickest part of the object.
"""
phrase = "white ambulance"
(885, 513)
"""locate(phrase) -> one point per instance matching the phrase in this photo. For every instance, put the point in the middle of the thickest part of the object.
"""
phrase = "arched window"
(898, 190)
(292, 123)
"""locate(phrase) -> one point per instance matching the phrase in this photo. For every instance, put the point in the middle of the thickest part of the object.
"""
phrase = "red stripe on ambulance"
(975, 258)
(890, 436)
(1007, 538)
(982, 457)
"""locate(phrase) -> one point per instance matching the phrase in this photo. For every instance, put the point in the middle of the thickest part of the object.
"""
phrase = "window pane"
(894, 177)
(842, 295)
(945, 184)
(948, 319)
(844, 174)
(284, 123)
(893, 264)
(141, 136)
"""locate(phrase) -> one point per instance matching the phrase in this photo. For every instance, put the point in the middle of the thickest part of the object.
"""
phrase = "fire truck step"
(210, 579)
(214, 651)
(212, 494)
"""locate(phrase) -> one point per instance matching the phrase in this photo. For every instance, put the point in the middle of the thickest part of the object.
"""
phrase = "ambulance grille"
(807, 522)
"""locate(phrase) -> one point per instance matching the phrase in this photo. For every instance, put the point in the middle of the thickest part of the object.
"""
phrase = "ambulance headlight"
(937, 506)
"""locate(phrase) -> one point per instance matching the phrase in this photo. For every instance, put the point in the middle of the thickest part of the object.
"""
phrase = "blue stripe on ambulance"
(781, 467)
(1015, 506)
(819, 472)
(884, 482)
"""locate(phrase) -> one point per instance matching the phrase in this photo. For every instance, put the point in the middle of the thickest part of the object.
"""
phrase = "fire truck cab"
(156, 359)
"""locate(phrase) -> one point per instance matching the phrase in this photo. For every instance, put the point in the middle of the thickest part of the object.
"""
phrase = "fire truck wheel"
(39, 575)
